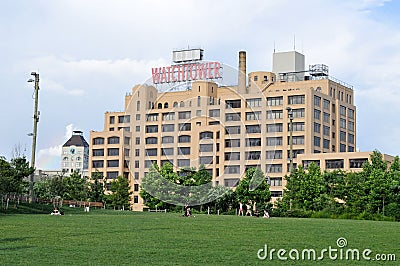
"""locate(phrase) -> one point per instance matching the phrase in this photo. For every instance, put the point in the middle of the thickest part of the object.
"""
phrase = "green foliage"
(96, 188)
(253, 188)
(121, 193)
(74, 187)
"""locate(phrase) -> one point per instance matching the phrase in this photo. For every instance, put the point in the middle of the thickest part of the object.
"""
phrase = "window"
(307, 163)
(151, 140)
(326, 131)
(124, 119)
(342, 123)
(149, 163)
(342, 136)
(206, 160)
(253, 115)
(298, 113)
(184, 139)
(183, 150)
(350, 149)
(255, 78)
(159, 106)
(151, 152)
(274, 141)
(113, 152)
(231, 143)
(127, 140)
(135, 187)
(350, 113)
(256, 102)
(206, 135)
(232, 169)
(350, 138)
(274, 127)
(206, 147)
(326, 104)
(250, 129)
(253, 142)
(350, 125)
(232, 117)
(296, 99)
(317, 128)
(152, 117)
(230, 130)
(137, 128)
(214, 113)
(168, 128)
(112, 119)
(231, 182)
(167, 151)
(274, 101)
(168, 116)
(326, 117)
(184, 115)
(296, 152)
(317, 100)
(136, 164)
(98, 164)
(137, 117)
(342, 110)
(342, 148)
(185, 126)
(297, 126)
(317, 114)
(274, 168)
(98, 141)
(253, 155)
(275, 181)
(167, 139)
(152, 129)
(98, 152)
(317, 141)
(137, 141)
(276, 154)
(113, 140)
(137, 152)
(112, 175)
(326, 143)
(357, 163)
(183, 162)
(112, 163)
(232, 156)
(334, 164)
(198, 101)
(297, 140)
(233, 103)
(275, 114)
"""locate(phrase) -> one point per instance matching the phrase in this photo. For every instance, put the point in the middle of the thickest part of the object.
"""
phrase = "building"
(228, 129)
(75, 155)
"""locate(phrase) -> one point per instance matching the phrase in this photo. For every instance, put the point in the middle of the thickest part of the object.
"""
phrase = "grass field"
(105, 237)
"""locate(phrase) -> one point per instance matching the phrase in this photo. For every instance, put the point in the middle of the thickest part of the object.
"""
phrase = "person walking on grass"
(248, 211)
(240, 209)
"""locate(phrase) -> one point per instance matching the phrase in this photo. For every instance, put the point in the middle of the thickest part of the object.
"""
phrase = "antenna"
(294, 42)
(274, 46)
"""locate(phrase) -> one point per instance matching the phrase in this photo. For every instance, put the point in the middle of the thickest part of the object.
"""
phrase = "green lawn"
(104, 237)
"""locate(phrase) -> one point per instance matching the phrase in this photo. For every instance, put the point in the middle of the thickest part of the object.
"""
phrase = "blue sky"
(90, 53)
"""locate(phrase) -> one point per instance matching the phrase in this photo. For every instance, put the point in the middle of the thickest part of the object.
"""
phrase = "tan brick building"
(229, 129)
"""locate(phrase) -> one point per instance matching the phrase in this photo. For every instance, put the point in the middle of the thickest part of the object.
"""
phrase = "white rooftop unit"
(289, 62)
(187, 55)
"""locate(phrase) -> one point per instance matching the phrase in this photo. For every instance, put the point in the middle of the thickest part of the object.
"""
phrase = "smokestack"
(242, 72)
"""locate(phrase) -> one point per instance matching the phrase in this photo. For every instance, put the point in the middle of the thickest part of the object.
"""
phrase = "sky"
(90, 53)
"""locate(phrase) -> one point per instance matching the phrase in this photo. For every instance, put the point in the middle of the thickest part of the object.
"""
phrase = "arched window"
(98, 141)
(206, 135)
(182, 104)
(113, 140)
(159, 106)
(165, 105)
(175, 104)
(137, 105)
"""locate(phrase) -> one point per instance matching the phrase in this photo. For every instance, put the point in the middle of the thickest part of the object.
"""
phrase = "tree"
(305, 190)
(121, 193)
(75, 187)
(254, 187)
(96, 188)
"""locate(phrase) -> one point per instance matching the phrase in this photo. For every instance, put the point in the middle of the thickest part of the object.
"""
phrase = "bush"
(393, 210)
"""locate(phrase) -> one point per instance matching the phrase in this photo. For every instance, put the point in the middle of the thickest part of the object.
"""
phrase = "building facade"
(228, 128)
(75, 155)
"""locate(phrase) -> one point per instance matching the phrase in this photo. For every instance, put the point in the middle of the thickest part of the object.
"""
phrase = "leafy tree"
(74, 187)
(96, 188)
(253, 188)
(121, 193)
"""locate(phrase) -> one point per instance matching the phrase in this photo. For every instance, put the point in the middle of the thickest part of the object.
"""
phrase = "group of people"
(249, 212)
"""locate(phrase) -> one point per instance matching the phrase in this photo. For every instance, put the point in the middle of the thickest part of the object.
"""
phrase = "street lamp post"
(34, 134)
(290, 114)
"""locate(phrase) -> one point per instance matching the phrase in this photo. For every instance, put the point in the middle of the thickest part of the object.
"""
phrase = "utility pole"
(290, 114)
(34, 134)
